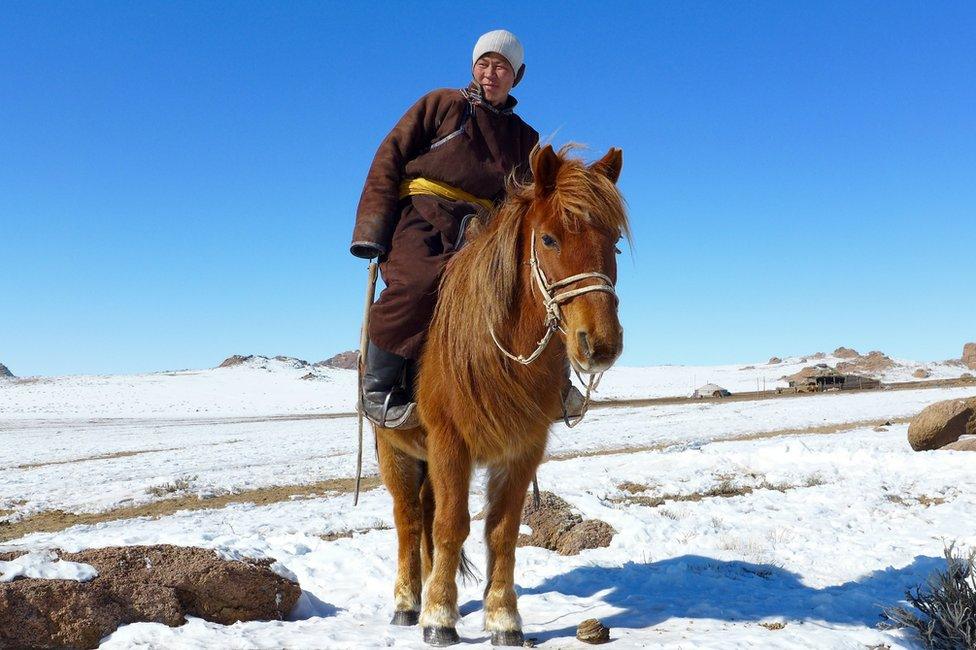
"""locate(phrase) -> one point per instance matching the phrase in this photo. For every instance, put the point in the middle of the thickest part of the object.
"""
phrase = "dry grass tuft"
(774, 625)
(727, 487)
(178, 486)
(945, 612)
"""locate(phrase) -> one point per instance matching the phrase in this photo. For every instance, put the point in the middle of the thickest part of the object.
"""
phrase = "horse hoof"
(441, 636)
(405, 617)
(508, 637)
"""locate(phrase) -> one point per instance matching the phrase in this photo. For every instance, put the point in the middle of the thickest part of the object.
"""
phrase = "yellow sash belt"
(415, 186)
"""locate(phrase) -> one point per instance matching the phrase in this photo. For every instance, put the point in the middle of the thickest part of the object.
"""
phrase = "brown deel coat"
(449, 135)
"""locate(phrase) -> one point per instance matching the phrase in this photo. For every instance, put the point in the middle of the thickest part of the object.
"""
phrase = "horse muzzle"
(591, 352)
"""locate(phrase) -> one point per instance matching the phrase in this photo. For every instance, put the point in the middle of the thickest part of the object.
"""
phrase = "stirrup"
(573, 406)
(407, 420)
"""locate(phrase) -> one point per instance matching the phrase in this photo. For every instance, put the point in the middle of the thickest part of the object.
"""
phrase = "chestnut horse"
(481, 406)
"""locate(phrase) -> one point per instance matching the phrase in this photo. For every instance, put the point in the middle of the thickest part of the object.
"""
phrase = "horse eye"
(549, 241)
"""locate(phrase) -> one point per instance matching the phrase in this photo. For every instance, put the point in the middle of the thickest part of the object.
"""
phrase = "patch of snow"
(45, 564)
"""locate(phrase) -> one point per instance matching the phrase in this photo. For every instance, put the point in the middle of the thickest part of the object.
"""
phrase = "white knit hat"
(503, 42)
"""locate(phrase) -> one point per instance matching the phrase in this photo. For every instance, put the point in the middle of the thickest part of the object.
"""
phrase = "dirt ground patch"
(55, 520)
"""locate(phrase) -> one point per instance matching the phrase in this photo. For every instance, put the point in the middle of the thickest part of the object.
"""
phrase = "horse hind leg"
(402, 476)
(507, 487)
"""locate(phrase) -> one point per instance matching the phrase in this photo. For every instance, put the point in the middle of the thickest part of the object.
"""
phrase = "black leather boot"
(387, 394)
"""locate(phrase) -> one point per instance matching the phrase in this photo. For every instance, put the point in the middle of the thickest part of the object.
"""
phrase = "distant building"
(822, 377)
(710, 390)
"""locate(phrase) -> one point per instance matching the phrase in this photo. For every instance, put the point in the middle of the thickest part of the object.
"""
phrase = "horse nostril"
(584, 344)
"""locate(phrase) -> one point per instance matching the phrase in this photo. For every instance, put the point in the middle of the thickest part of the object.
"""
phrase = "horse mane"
(480, 289)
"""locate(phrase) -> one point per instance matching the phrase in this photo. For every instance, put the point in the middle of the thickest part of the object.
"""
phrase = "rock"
(966, 444)
(589, 533)
(235, 360)
(846, 353)
(158, 584)
(966, 375)
(942, 423)
(969, 355)
(5, 372)
(556, 527)
(818, 355)
(774, 360)
(593, 631)
(348, 360)
(921, 373)
(872, 363)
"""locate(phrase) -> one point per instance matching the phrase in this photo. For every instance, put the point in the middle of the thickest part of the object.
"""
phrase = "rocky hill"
(5, 372)
(347, 360)
(969, 355)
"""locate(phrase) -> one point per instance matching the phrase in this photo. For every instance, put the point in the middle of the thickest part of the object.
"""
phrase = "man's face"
(495, 74)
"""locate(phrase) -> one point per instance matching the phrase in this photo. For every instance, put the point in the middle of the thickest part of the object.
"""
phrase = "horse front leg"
(401, 474)
(449, 473)
(507, 486)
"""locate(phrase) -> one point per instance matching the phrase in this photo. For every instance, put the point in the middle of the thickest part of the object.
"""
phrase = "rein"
(554, 318)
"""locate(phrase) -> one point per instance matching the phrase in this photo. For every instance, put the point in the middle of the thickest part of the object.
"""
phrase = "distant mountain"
(5, 372)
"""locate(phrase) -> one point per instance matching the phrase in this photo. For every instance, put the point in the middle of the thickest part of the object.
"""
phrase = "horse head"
(569, 235)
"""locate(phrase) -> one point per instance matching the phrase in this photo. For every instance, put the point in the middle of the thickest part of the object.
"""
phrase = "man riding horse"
(446, 161)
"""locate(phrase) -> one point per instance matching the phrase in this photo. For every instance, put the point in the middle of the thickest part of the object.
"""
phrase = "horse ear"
(610, 164)
(545, 167)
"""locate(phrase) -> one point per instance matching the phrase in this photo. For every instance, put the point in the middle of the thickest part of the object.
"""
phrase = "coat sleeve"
(376, 216)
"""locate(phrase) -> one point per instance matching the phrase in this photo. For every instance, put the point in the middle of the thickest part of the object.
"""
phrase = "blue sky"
(178, 179)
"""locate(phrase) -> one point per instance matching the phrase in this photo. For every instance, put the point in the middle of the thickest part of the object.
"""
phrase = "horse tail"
(466, 568)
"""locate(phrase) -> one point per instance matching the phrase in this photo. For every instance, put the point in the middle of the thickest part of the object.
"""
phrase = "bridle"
(554, 318)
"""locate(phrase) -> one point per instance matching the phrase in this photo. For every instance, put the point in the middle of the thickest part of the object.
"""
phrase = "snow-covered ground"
(262, 387)
(835, 528)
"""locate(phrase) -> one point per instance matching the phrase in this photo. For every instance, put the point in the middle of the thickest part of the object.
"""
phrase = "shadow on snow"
(693, 586)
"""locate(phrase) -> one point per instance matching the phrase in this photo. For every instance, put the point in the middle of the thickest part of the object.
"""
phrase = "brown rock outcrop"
(942, 423)
(159, 584)
(872, 363)
(921, 373)
(966, 444)
(555, 527)
(969, 355)
(348, 360)
(774, 360)
(235, 360)
(846, 353)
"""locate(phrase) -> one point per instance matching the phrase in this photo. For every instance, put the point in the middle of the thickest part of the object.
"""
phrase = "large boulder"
(157, 584)
(942, 423)
(969, 355)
